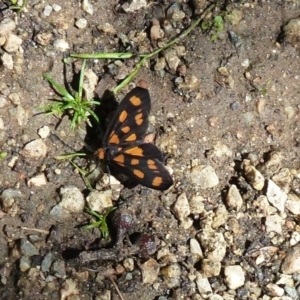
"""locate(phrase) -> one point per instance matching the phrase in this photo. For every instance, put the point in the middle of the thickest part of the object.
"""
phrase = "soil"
(233, 95)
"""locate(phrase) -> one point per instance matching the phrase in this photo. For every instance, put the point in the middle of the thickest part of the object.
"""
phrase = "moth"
(123, 147)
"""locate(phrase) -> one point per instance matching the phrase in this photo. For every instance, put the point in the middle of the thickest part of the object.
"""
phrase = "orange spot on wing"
(139, 119)
(125, 129)
(120, 159)
(138, 173)
(131, 138)
(113, 139)
(136, 101)
(134, 162)
(123, 116)
(157, 181)
(136, 151)
(151, 164)
(100, 153)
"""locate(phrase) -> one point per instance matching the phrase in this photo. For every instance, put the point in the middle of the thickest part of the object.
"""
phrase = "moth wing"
(130, 122)
(143, 163)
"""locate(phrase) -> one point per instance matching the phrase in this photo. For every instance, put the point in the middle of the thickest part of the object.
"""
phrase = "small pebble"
(38, 180)
(56, 7)
(7, 25)
(61, 45)
(100, 201)
(204, 176)
(274, 224)
(72, 199)
(44, 132)
(35, 149)
(234, 276)
(27, 249)
(7, 61)
(233, 198)
(81, 23)
(203, 285)
(87, 7)
(275, 195)
(12, 43)
(291, 263)
(150, 270)
(47, 10)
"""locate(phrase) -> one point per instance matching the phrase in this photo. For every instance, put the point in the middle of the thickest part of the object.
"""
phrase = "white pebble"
(56, 7)
(234, 277)
(276, 196)
(100, 201)
(47, 10)
(6, 26)
(204, 176)
(61, 45)
(44, 132)
(150, 270)
(38, 180)
(12, 43)
(87, 7)
(35, 149)
(7, 61)
(72, 199)
(274, 224)
(81, 23)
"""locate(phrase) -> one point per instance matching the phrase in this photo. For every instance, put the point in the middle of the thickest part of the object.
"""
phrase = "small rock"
(61, 45)
(81, 23)
(12, 43)
(47, 10)
(35, 149)
(195, 250)
(134, 5)
(7, 61)
(220, 217)
(58, 268)
(160, 64)
(197, 204)
(44, 132)
(210, 268)
(69, 289)
(295, 238)
(38, 180)
(72, 199)
(182, 210)
(90, 82)
(292, 32)
(172, 59)
(203, 285)
(25, 263)
(107, 28)
(204, 176)
(43, 38)
(156, 32)
(56, 7)
(87, 7)
(253, 176)
(291, 263)
(14, 98)
(274, 290)
(233, 198)
(293, 204)
(100, 201)
(47, 262)
(27, 249)
(60, 212)
(276, 196)
(190, 83)
(21, 114)
(3, 101)
(150, 271)
(172, 274)
(274, 224)
(7, 25)
(219, 150)
(234, 277)
(283, 179)
(128, 264)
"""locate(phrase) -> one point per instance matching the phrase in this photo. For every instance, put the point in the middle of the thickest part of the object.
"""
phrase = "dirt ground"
(225, 114)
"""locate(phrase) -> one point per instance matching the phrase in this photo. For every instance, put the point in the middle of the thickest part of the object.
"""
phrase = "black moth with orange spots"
(123, 147)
